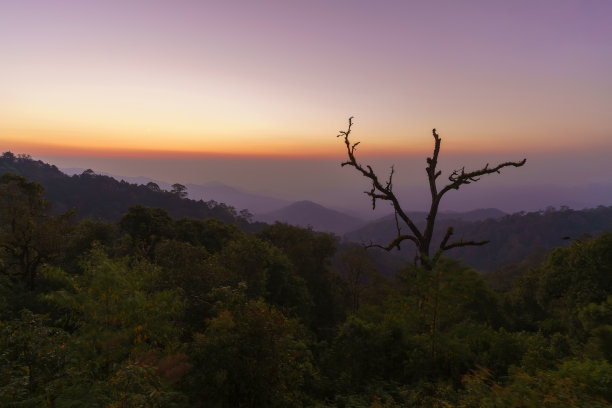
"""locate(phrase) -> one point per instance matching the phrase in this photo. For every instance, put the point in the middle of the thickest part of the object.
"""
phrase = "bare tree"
(383, 190)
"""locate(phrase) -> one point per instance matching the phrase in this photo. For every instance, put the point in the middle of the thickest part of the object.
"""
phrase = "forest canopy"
(153, 310)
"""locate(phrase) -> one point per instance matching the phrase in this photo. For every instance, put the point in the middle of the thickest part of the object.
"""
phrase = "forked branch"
(384, 191)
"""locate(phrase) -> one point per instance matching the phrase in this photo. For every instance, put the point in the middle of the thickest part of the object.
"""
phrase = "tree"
(552, 294)
(153, 187)
(251, 355)
(383, 190)
(33, 363)
(179, 189)
(357, 272)
(9, 156)
(211, 233)
(574, 383)
(311, 254)
(123, 331)
(147, 227)
(29, 234)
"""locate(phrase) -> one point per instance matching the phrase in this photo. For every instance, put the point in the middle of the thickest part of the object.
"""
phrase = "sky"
(253, 93)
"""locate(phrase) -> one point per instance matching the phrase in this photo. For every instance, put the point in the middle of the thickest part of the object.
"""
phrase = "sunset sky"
(152, 87)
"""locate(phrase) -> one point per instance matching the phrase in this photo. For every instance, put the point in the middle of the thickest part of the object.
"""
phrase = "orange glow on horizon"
(74, 151)
(209, 79)
(112, 144)
(305, 143)
(272, 147)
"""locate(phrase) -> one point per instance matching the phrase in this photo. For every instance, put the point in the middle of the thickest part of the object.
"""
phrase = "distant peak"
(214, 184)
(308, 202)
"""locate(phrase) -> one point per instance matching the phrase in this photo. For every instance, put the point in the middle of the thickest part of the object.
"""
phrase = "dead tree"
(383, 190)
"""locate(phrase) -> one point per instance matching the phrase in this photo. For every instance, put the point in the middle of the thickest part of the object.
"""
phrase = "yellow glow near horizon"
(93, 141)
(126, 118)
(202, 79)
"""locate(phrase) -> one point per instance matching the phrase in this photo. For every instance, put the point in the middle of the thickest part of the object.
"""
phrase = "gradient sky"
(117, 83)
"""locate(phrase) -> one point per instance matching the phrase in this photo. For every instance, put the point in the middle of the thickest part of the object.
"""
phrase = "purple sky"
(130, 87)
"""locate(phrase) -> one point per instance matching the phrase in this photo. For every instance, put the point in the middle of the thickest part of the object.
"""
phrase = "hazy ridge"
(512, 236)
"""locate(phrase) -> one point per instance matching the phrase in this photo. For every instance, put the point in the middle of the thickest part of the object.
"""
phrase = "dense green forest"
(160, 309)
(512, 237)
(102, 197)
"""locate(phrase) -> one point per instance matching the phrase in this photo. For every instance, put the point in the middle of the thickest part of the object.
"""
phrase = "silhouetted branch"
(395, 243)
(384, 191)
(462, 243)
(460, 177)
(378, 191)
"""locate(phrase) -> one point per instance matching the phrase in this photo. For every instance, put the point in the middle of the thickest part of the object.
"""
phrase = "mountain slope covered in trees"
(103, 197)
(157, 311)
(512, 237)
(309, 214)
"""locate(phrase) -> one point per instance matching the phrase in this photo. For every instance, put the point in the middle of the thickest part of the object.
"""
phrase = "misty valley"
(132, 294)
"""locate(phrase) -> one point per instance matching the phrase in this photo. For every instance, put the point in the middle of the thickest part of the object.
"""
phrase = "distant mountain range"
(512, 237)
(239, 199)
(213, 191)
(309, 214)
(508, 198)
(264, 208)
(301, 213)
(105, 198)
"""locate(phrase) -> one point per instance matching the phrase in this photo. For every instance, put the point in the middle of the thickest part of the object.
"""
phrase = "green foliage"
(389, 349)
(248, 260)
(250, 355)
(200, 313)
(33, 357)
(364, 354)
(311, 254)
(449, 294)
(210, 233)
(103, 197)
(193, 271)
(29, 234)
(85, 235)
(568, 280)
(267, 273)
(575, 383)
(597, 320)
(117, 307)
(119, 317)
(147, 227)
(358, 274)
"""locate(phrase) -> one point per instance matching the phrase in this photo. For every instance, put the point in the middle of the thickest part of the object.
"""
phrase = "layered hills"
(512, 237)
(309, 214)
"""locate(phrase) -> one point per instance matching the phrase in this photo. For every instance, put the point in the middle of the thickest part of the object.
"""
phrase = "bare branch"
(384, 191)
(460, 177)
(462, 243)
(447, 236)
(444, 246)
(395, 243)
(397, 226)
(378, 191)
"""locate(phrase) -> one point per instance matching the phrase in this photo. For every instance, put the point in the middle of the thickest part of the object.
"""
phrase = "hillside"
(103, 197)
(174, 305)
(239, 199)
(309, 214)
(512, 237)
(212, 191)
